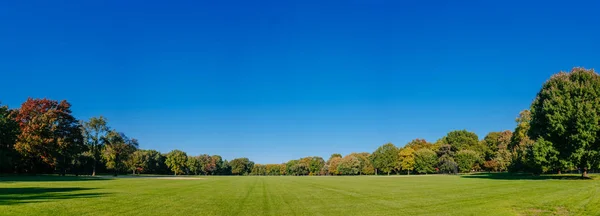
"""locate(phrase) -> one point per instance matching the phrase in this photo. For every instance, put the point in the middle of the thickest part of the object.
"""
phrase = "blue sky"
(278, 80)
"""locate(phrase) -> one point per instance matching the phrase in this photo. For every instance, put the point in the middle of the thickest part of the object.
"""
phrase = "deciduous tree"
(49, 132)
(117, 150)
(566, 115)
(193, 165)
(461, 140)
(407, 159)
(385, 158)
(176, 161)
(417, 144)
(316, 164)
(349, 165)
(138, 161)
(94, 132)
(241, 166)
(425, 161)
(466, 160)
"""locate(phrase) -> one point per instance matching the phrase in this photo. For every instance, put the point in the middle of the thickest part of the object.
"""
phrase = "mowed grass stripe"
(288, 195)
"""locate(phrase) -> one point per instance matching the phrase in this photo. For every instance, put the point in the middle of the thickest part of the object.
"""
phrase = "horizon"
(278, 81)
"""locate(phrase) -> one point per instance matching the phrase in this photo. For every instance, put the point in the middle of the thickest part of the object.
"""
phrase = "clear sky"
(275, 80)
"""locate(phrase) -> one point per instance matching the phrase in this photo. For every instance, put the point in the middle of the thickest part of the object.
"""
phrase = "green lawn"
(498, 194)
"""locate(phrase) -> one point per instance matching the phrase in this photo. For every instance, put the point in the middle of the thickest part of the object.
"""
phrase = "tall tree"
(49, 132)
(466, 160)
(446, 163)
(176, 161)
(494, 141)
(425, 161)
(385, 158)
(138, 161)
(349, 165)
(461, 140)
(207, 164)
(94, 132)
(9, 129)
(316, 164)
(566, 114)
(156, 162)
(241, 166)
(117, 150)
(366, 166)
(193, 165)
(407, 159)
(219, 165)
(332, 163)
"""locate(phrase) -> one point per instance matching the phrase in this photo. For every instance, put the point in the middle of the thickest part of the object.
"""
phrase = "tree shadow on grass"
(523, 176)
(47, 178)
(13, 196)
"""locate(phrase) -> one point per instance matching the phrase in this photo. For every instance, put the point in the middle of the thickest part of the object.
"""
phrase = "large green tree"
(241, 166)
(466, 160)
(49, 132)
(385, 158)
(542, 156)
(117, 150)
(176, 161)
(193, 165)
(462, 139)
(220, 165)
(156, 162)
(495, 141)
(316, 164)
(138, 161)
(425, 161)
(566, 113)
(94, 132)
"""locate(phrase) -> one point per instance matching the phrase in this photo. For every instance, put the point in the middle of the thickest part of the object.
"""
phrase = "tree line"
(560, 132)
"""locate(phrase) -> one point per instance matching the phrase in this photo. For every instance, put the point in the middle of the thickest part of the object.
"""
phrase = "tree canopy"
(385, 158)
(176, 161)
(560, 132)
(566, 115)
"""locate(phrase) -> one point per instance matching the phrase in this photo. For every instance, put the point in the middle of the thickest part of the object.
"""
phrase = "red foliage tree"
(49, 132)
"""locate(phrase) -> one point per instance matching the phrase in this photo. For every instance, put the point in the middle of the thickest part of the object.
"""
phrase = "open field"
(497, 194)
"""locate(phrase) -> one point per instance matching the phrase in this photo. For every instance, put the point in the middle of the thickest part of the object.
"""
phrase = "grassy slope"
(424, 195)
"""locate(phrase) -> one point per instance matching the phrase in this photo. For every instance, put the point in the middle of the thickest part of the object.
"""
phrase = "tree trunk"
(559, 172)
(134, 172)
(94, 148)
(408, 172)
(63, 170)
(584, 174)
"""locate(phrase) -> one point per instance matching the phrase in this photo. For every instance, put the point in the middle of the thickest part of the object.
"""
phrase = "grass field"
(497, 194)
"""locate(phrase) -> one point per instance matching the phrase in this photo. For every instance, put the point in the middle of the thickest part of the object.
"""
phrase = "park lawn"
(495, 194)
